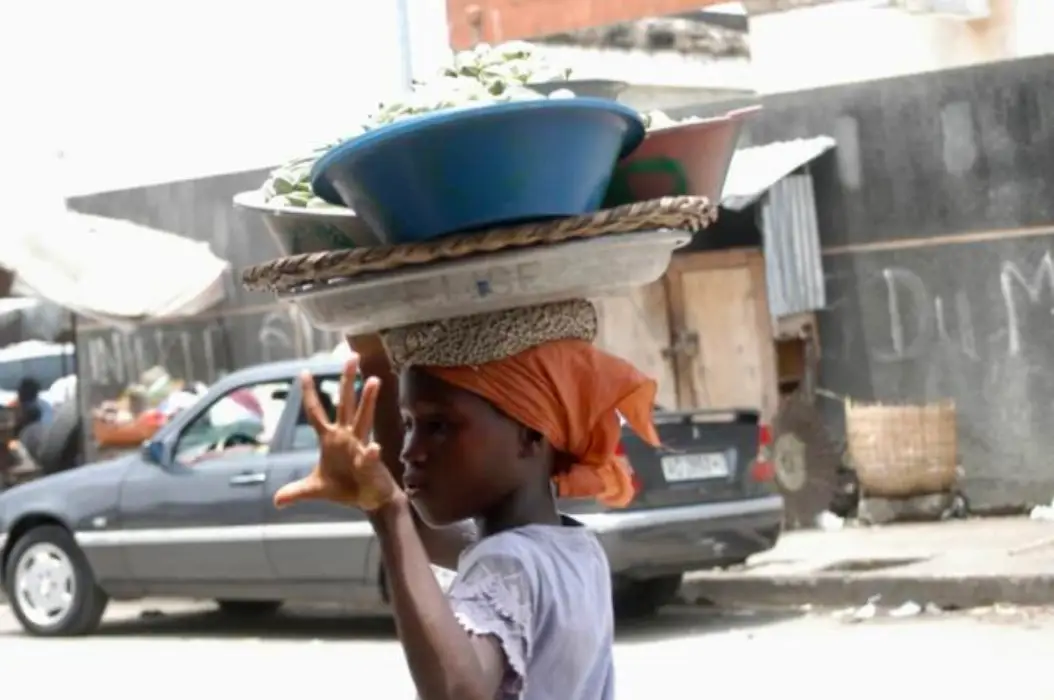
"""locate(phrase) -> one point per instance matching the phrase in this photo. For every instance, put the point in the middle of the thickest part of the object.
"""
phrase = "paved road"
(191, 652)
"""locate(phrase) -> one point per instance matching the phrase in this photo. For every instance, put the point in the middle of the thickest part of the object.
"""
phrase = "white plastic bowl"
(297, 230)
(604, 89)
(494, 282)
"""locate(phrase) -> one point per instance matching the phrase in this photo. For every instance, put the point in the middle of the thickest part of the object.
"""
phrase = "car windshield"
(245, 416)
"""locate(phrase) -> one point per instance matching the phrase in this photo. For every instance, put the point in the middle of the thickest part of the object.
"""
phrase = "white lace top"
(544, 592)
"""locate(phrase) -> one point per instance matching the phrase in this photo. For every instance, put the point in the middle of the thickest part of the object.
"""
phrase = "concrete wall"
(795, 45)
(936, 214)
(859, 40)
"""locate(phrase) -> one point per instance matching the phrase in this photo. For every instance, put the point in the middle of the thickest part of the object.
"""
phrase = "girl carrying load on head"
(496, 409)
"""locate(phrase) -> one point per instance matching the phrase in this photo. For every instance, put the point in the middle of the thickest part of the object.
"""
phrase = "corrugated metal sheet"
(755, 170)
(793, 265)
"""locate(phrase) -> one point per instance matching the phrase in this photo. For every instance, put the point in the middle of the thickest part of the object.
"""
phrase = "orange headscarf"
(569, 391)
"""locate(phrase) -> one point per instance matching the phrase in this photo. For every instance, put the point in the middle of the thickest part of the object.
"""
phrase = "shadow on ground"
(287, 624)
(675, 622)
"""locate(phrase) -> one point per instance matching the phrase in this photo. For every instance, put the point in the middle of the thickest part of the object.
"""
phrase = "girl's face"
(462, 457)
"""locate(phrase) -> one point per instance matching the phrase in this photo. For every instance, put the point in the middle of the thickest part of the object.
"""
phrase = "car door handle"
(248, 479)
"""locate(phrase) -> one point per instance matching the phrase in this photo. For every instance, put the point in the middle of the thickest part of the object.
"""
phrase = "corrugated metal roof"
(755, 170)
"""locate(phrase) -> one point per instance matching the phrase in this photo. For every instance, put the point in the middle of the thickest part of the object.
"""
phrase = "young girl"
(495, 410)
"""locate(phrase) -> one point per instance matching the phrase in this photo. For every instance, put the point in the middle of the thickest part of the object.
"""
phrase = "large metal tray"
(507, 279)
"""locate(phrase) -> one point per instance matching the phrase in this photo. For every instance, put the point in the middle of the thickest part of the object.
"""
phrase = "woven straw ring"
(287, 274)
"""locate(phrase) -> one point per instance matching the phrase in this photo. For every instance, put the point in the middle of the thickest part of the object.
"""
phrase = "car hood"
(55, 487)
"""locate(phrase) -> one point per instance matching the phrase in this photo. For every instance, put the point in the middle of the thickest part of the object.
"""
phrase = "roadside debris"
(829, 522)
(872, 609)
(908, 609)
(1043, 512)
(866, 611)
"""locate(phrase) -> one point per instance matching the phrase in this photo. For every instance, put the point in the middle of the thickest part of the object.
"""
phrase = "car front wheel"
(50, 585)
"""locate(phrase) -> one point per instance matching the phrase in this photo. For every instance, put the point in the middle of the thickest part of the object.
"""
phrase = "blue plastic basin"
(475, 167)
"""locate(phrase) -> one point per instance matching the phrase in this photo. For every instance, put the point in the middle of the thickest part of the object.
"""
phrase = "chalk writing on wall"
(119, 358)
(917, 319)
(198, 350)
(913, 320)
(278, 335)
(1011, 278)
(286, 333)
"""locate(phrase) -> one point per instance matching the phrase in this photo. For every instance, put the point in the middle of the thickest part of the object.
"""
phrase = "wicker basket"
(902, 451)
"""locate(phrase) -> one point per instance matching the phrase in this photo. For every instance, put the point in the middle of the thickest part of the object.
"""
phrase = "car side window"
(242, 420)
(304, 437)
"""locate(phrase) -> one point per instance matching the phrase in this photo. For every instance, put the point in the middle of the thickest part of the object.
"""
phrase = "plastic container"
(297, 230)
(491, 282)
(687, 159)
(601, 89)
(476, 167)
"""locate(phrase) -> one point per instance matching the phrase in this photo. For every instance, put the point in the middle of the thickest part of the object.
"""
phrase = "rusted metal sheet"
(494, 21)
(472, 21)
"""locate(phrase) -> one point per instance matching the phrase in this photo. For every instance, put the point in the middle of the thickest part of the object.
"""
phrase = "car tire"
(643, 598)
(80, 611)
(249, 608)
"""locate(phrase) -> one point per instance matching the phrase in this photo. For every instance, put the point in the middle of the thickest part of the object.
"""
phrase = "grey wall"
(200, 209)
(922, 162)
(918, 158)
(248, 328)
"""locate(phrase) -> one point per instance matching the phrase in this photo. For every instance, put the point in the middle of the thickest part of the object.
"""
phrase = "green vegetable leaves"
(485, 74)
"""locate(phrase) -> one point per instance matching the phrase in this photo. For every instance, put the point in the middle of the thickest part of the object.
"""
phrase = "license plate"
(693, 467)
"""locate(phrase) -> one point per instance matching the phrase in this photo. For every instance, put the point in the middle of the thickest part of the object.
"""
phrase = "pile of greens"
(483, 75)
(290, 184)
(657, 119)
(514, 63)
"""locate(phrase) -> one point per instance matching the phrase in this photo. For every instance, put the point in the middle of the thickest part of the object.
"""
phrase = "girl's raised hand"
(349, 471)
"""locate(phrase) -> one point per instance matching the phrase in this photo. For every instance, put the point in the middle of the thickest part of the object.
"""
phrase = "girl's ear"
(532, 443)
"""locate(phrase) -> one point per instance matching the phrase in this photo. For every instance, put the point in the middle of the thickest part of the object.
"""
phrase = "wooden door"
(722, 331)
(636, 327)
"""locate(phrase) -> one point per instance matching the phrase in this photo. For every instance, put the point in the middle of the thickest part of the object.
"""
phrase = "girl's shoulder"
(532, 539)
(539, 551)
